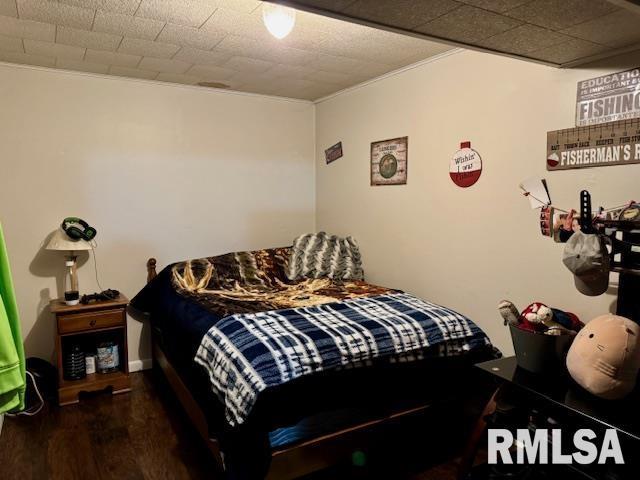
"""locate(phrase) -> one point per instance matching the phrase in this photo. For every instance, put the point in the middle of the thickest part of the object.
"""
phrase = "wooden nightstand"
(87, 326)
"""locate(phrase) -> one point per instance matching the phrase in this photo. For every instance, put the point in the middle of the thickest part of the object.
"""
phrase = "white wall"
(464, 248)
(177, 172)
(160, 170)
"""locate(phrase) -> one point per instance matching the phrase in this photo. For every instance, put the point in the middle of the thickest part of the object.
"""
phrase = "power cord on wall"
(94, 245)
(104, 295)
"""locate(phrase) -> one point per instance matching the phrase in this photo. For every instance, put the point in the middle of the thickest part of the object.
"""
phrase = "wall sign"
(608, 98)
(389, 161)
(615, 143)
(333, 153)
(466, 166)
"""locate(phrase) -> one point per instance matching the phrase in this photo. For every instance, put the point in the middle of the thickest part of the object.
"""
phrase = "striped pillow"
(318, 255)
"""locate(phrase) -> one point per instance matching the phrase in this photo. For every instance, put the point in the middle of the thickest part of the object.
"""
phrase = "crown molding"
(197, 88)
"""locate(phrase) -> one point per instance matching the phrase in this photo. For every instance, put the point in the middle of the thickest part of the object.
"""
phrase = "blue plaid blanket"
(246, 353)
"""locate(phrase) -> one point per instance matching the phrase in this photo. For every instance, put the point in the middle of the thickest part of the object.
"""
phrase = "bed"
(267, 408)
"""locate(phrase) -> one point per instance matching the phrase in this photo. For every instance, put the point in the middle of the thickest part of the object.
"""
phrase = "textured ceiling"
(559, 32)
(193, 41)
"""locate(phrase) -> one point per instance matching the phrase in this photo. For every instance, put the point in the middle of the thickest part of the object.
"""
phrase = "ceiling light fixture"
(279, 20)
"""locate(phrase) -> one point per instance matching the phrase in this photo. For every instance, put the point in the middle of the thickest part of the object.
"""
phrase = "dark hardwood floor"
(139, 435)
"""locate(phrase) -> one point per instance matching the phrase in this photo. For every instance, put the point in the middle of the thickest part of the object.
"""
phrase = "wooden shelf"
(58, 306)
(68, 390)
(93, 379)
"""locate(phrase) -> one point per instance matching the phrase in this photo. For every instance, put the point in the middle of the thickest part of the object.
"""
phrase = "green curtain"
(12, 366)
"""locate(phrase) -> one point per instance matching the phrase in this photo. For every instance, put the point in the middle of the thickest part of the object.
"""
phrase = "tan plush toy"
(605, 356)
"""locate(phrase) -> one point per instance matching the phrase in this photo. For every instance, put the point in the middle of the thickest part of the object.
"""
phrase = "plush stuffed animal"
(605, 356)
(567, 320)
(512, 315)
(509, 312)
(540, 318)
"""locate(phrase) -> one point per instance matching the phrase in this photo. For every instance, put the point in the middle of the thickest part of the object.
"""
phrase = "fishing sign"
(608, 98)
(466, 166)
(614, 143)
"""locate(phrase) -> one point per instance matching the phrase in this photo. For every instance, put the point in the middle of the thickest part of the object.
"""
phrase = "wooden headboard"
(151, 269)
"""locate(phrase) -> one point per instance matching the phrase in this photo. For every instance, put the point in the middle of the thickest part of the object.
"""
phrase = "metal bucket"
(539, 353)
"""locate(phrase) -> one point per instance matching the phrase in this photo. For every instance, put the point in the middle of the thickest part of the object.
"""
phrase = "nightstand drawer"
(88, 321)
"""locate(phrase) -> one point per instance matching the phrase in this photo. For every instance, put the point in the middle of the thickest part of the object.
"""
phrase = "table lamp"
(62, 242)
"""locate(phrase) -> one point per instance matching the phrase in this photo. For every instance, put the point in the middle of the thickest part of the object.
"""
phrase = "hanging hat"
(587, 257)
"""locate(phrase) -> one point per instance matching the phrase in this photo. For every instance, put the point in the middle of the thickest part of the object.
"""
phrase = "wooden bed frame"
(288, 462)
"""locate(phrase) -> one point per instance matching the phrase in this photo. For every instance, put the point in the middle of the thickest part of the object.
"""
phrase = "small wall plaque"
(333, 153)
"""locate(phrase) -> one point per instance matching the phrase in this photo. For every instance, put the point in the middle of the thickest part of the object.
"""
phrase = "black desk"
(623, 415)
(528, 400)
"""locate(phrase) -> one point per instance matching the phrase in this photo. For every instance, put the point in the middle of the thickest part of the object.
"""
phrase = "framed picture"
(389, 162)
(333, 153)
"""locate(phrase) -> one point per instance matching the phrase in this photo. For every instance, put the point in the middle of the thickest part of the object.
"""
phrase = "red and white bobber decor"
(466, 166)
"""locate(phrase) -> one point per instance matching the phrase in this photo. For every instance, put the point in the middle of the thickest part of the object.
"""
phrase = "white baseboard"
(137, 365)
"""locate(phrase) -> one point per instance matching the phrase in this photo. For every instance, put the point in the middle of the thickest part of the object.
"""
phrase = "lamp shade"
(61, 241)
